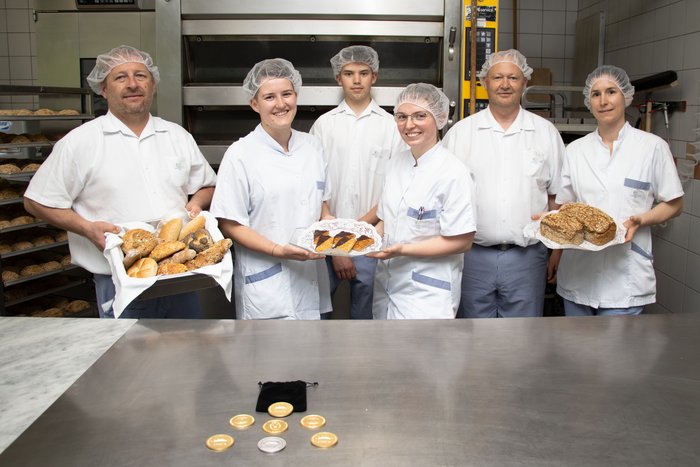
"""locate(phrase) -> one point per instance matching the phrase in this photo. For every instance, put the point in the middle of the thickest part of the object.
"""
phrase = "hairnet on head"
(427, 97)
(510, 56)
(355, 54)
(614, 74)
(115, 57)
(272, 68)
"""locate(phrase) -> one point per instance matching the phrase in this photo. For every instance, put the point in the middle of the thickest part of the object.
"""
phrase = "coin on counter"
(324, 439)
(242, 421)
(280, 409)
(275, 426)
(312, 422)
(271, 444)
(220, 442)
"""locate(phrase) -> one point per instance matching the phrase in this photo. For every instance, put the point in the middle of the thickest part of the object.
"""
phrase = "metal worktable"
(533, 391)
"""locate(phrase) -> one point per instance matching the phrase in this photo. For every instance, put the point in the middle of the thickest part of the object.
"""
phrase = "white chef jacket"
(274, 192)
(640, 172)
(420, 201)
(356, 150)
(103, 171)
(513, 170)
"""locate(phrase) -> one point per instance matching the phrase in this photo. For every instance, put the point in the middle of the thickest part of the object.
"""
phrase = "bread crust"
(578, 220)
(145, 267)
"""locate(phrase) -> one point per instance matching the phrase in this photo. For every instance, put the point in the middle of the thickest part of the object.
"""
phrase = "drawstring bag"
(293, 392)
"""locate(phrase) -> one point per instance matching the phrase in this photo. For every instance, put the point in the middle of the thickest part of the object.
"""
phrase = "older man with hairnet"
(271, 183)
(358, 138)
(515, 158)
(427, 215)
(121, 167)
(630, 174)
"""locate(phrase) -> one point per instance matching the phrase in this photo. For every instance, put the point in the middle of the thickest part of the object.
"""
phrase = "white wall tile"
(676, 230)
(692, 16)
(17, 20)
(18, 44)
(2, 4)
(17, 3)
(571, 17)
(505, 41)
(676, 17)
(659, 55)
(695, 197)
(655, 309)
(3, 45)
(530, 21)
(570, 47)
(554, 22)
(691, 301)
(571, 5)
(692, 275)
(530, 45)
(662, 25)
(5, 69)
(556, 65)
(669, 258)
(3, 21)
(20, 68)
(669, 292)
(675, 53)
(535, 62)
(553, 46)
(505, 4)
(505, 21)
(569, 71)
(530, 4)
(557, 5)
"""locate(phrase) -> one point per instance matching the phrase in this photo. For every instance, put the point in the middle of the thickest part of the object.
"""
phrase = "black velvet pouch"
(293, 392)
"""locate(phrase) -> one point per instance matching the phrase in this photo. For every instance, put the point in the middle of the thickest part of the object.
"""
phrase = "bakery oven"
(206, 48)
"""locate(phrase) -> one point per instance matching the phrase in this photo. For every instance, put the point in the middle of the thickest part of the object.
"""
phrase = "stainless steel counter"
(541, 392)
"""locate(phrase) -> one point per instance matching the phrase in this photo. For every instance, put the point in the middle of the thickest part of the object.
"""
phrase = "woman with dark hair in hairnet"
(426, 213)
(270, 183)
(623, 171)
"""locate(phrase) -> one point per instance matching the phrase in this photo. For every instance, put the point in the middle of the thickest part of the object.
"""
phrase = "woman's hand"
(632, 224)
(388, 252)
(293, 252)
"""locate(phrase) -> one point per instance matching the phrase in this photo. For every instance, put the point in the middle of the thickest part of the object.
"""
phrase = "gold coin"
(220, 442)
(324, 439)
(275, 426)
(280, 409)
(241, 421)
(312, 422)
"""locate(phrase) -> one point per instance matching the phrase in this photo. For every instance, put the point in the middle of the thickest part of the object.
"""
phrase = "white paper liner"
(304, 238)
(128, 288)
(532, 230)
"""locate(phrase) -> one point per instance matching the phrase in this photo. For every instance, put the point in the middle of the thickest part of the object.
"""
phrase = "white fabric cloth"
(128, 288)
(356, 150)
(513, 171)
(103, 171)
(640, 172)
(421, 201)
(274, 192)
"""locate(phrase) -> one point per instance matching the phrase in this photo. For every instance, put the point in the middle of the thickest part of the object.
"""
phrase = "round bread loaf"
(23, 245)
(43, 240)
(76, 306)
(9, 276)
(145, 267)
(9, 169)
(31, 270)
(33, 167)
(22, 220)
(44, 112)
(68, 112)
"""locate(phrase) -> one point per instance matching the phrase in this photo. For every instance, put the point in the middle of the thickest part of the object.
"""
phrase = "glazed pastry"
(322, 240)
(363, 242)
(344, 241)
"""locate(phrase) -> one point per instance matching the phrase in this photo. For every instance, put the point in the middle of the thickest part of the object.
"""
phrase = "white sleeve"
(232, 197)
(666, 185)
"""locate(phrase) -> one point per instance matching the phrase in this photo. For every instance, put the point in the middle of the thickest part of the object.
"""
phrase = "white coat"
(639, 173)
(422, 200)
(274, 192)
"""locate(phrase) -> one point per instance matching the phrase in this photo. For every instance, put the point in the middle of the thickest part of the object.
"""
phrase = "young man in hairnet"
(358, 139)
(515, 158)
(124, 166)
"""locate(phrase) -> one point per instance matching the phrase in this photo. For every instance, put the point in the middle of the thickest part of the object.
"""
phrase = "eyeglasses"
(416, 117)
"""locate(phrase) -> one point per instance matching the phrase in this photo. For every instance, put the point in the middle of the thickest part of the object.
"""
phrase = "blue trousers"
(361, 288)
(506, 283)
(575, 309)
(180, 306)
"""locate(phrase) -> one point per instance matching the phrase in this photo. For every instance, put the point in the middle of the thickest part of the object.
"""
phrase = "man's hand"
(344, 267)
(97, 230)
(553, 266)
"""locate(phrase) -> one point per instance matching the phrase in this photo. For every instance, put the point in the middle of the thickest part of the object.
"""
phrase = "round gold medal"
(220, 442)
(275, 426)
(280, 409)
(312, 422)
(241, 421)
(324, 439)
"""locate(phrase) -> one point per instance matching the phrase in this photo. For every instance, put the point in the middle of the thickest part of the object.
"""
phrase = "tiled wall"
(17, 49)
(646, 37)
(546, 33)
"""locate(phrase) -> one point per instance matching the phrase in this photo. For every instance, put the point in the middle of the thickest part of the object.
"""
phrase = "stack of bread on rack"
(172, 249)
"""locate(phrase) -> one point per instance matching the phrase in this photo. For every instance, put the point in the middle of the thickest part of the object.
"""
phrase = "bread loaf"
(576, 221)
(171, 268)
(166, 249)
(145, 267)
(170, 230)
(562, 229)
(192, 226)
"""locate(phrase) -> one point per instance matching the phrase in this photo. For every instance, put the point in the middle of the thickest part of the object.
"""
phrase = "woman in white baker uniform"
(630, 174)
(426, 213)
(270, 183)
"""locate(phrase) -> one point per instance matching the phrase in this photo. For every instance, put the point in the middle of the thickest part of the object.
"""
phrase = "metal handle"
(450, 114)
(451, 44)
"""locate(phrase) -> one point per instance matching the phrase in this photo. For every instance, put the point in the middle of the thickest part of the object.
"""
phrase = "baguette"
(192, 226)
(170, 230)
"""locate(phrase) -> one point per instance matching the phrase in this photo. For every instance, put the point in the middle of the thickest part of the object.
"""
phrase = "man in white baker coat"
(515, 158)
(358, 139)
(124, 166)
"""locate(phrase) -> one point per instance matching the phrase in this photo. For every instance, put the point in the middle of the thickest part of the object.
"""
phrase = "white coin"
(271, 444)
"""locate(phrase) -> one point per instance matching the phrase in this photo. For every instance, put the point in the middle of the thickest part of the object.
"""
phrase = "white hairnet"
(427, 97)
(510, 56)
(115, 57)
(614, 74)
(355, 54)
(272, 68)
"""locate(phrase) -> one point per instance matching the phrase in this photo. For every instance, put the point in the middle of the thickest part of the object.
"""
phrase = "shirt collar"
(620, 136)
(343, 107)
(111, 124)
(429, 157)
(522, 122)
(270, 142)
